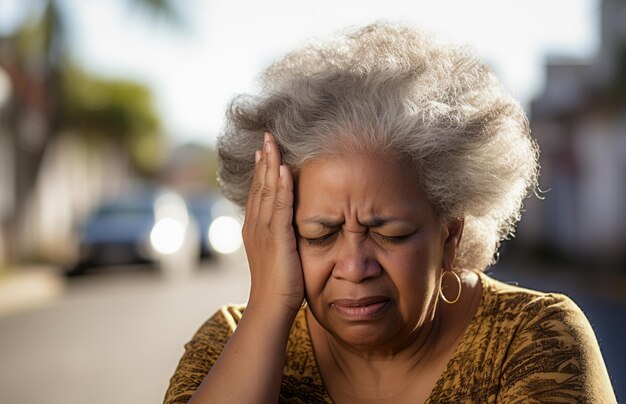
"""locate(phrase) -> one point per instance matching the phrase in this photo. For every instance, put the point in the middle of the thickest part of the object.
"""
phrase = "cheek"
(316, 270)
(412, 271)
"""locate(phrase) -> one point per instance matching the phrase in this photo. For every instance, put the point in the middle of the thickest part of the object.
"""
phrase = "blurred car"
(219, 224)
(200, 208)
(141, 227)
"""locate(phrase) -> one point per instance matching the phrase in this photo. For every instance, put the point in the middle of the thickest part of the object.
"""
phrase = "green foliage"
(30, 40)
(146, 151)
(96, 108)
(112, 110)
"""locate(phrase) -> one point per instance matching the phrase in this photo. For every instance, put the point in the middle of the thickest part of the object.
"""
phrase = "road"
(116, 336)
(113, 337)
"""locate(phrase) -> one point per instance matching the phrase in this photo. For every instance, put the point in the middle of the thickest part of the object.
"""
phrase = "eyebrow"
(375, 221)
(325, 222)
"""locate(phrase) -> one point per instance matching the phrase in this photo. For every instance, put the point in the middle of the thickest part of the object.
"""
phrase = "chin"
(363, 336)
(370, 334)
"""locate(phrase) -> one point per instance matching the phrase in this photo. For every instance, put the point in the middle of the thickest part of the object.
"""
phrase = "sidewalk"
(28, 287)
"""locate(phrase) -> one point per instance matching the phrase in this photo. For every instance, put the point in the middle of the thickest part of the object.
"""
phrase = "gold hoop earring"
(458, 281)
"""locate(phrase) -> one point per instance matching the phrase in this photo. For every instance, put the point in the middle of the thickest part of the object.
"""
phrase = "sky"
(223, 46)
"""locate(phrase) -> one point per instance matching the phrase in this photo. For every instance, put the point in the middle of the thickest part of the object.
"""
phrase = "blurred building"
(6, 161)
(579, 121)
(22, 133)
(190, 169)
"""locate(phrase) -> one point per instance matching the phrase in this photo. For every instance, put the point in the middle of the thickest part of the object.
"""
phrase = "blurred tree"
(52, 95)
(113, 111)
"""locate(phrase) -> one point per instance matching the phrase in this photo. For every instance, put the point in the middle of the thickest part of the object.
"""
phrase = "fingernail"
(281, 171)
(266, 137)
(257, 156)
(267, 146)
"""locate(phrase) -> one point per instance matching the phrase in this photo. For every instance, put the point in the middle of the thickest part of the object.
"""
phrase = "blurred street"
(109, 117)
(114, 336)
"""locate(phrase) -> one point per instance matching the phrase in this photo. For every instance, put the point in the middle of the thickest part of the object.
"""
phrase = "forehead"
(359, 183)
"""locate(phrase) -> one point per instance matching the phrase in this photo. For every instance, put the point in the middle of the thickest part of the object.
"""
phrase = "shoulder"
(535, 321)
(516, 299)
(550, 348)
(224, 320)
(530, 310)
(219, 327)
(201, 352)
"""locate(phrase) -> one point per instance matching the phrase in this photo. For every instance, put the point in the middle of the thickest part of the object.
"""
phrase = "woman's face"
(372, 248)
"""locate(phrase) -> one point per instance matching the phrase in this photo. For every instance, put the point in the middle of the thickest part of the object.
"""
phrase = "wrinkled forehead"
(358, 185)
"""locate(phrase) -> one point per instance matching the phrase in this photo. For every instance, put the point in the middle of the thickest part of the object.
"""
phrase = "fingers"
(268, 233)
(270, 185)
(254, 197)
(267, 186)
(283, 206)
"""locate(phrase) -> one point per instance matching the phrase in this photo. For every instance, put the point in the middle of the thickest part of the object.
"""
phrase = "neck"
(378, 371)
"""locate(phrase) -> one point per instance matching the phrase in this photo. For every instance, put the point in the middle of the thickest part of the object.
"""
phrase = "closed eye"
(320, 241)
(391, 239)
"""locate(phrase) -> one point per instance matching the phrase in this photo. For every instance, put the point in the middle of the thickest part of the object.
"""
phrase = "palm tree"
(43, 104)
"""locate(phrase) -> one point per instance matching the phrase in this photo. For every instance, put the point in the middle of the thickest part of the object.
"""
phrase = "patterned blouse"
(521, 346)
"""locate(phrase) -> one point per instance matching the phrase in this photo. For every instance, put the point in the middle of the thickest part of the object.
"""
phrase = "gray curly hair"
(396, 91)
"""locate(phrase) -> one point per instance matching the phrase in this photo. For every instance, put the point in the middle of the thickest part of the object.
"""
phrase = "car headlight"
(225, 234)
(167, 235)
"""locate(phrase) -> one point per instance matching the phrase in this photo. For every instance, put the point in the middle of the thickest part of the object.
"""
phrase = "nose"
(355, 259)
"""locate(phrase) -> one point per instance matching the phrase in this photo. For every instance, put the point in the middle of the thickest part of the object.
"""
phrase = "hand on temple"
(268, 234)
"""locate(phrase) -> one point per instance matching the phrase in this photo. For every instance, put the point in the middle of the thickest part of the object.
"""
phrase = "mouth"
(367, 308)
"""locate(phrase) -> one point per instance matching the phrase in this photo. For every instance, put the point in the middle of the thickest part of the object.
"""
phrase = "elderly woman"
(379, 173)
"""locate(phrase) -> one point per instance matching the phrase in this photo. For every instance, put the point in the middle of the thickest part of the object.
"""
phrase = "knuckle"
(256, 188)
(266, 192)
(282, 204)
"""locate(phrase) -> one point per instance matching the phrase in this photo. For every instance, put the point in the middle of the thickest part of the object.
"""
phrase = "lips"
(367, 308)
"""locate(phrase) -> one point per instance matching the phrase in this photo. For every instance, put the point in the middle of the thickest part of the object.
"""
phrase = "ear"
(453, 230)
